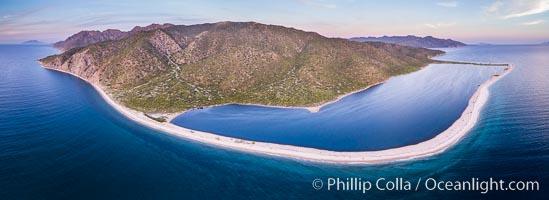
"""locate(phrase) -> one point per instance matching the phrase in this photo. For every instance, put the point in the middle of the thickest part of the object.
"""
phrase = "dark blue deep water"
(60, 140)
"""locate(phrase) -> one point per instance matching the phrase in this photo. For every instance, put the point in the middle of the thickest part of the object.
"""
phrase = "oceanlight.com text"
(484, 186)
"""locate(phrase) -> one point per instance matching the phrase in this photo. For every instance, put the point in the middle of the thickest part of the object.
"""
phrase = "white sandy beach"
(436, 145)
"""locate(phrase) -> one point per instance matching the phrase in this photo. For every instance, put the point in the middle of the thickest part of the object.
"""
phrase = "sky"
(469, 21)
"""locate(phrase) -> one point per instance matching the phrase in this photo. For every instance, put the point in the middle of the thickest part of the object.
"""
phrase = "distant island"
(545, 43)
(34, 42)
(413, 41)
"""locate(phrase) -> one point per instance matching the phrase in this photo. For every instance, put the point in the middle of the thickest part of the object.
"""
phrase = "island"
(33, 42)
(176, 68)
(153, 75)
(413, 41)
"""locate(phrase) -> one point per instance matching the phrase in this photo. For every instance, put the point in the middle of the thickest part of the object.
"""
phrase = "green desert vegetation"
(184, 67)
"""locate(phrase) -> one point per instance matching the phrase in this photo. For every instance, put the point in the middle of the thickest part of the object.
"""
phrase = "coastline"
(433, 146)
(312, 109)
(315, 109)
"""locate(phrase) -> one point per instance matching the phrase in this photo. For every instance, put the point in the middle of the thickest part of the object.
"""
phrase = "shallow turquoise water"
(60, 140)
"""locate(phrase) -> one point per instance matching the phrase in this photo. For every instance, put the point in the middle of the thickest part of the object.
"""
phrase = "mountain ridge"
(182, 67)
(411, 40)
(87, 37)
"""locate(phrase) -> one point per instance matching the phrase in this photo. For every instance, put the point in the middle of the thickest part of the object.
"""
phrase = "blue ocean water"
(60, 140)
(405, 110)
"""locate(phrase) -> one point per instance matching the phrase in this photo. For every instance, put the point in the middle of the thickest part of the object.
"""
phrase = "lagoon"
(404, 110)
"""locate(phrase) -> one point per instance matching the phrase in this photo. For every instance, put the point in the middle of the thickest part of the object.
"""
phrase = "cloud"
(103, 20)
(532, 8)
(8, 16)
(19, 14)
(318, 3)
(517, 8)
(439, 25)
(536, 22)
(448, 4)
(494, 7)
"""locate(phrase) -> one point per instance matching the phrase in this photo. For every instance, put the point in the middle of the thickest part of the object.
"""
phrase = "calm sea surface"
(405, 110)
(60, 140)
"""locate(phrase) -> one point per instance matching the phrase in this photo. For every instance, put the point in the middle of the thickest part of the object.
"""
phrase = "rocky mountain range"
(413, 41)
(171, 69)
(85, 38)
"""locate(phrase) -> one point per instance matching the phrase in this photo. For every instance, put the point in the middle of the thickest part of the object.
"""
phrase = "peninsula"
(178, 68)
(173, 68)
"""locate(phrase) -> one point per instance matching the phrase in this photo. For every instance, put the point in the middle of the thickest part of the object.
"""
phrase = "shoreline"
(311, 109)
(315, 109)
(435, 145)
